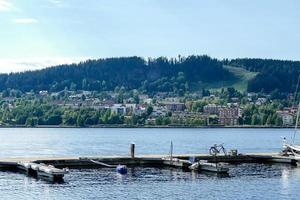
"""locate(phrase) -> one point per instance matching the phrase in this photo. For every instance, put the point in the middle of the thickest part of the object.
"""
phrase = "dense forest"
(159, 74)
(176, 75)
(273, 75)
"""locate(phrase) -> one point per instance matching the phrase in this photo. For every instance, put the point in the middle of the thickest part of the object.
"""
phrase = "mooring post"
(132, 148)
(171, 153)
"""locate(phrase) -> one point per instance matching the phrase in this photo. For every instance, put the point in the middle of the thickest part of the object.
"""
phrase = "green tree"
(255, 120)
(149, 110)
(73, 87)
(32, 121)
(80, 121)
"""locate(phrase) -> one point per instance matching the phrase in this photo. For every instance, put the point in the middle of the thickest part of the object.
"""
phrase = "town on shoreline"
(69, 108)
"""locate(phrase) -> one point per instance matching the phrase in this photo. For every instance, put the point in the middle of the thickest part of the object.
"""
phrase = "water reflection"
(285, 173)
(167, 183)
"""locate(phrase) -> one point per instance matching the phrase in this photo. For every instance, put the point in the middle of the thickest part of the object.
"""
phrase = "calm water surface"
(247, 181)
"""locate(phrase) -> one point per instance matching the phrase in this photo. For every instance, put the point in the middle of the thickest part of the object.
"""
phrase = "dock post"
(171, 153)
(132, 148)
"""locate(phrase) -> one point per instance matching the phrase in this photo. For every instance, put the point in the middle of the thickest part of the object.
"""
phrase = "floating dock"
(43, 171)
(53, 168)
(145, 160)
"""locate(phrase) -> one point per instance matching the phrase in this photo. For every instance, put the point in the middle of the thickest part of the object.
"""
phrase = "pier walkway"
(56, 167)
(85, 162)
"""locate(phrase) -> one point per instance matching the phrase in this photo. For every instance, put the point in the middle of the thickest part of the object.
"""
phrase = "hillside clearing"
(240, 83)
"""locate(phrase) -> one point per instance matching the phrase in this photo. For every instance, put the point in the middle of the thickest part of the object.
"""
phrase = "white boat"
(292, 149)
(50, 172)
(26, 167)
(35, 166)
(43, 171)
(203, 165)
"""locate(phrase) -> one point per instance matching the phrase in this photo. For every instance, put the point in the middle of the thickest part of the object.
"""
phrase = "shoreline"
(147, 126)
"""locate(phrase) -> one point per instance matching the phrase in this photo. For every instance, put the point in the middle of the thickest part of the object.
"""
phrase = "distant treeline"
(273, 75)
(159, 74)
(176, 75)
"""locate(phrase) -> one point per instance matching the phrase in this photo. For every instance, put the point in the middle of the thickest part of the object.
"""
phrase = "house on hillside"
(119, 109)
(287, 117)
(211, 109)
(175, 106)
(229, 116)
(159, 111)
(261, 101)
(130, 108)
(140, 109)
(43, 93)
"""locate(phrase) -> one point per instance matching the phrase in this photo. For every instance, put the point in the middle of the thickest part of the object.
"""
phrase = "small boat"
(292, 149)
(51, 173)
(122, 169)
(43, 171)
(203, 165)
(26, 167)
(35, 166)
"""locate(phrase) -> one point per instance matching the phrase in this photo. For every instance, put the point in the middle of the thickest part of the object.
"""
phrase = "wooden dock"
(142, 160)
(178, 161)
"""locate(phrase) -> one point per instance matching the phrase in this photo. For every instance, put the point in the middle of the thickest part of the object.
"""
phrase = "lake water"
(246, 181)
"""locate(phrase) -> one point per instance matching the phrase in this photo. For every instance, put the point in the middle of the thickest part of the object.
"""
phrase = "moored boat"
(203, 165)
(292, 149)
(51, 173)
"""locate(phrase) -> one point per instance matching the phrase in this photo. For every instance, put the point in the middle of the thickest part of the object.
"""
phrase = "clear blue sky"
(36, 33)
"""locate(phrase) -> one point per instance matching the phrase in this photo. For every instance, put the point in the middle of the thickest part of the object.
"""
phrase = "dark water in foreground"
(247, 181)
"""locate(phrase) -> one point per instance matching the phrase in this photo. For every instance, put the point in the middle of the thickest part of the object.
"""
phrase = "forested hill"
(176, 75)
(159, 74)
(273, 75)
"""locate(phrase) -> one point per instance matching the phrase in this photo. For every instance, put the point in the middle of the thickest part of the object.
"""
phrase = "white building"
(130, 108)
(287, 118)
(211, 109)
(119, 109)
(139, 110)
(261, 101)
(43, 92)
(159, 111)
(148, 101)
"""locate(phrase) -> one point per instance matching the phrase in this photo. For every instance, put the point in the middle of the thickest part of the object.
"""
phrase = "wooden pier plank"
(155, 159)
